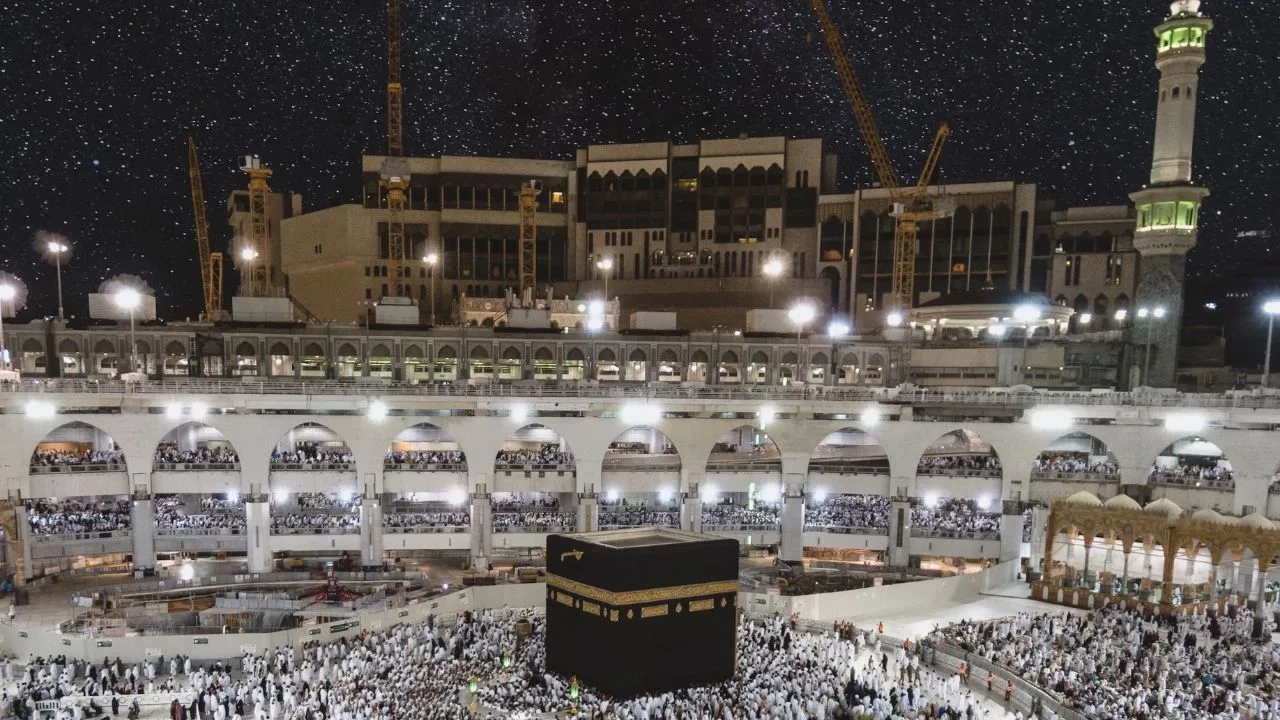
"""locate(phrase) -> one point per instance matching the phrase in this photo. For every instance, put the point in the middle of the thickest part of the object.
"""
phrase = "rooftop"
(641, 537)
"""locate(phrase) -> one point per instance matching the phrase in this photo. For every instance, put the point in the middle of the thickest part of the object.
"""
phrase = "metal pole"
(606, 293)
(1266, 364)
(772, 280)
(1026, 337)
(57, 261)
(433, 295)
(133, 345)
(1146, 360)
(4, 358)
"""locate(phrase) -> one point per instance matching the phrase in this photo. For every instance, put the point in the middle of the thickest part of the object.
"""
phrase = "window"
(557, 198)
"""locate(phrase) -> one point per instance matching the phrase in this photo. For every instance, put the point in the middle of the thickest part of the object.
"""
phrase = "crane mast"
(395, 178)
(911, 205)
(529, 242)
(395, 91)
(255, 251)
(210, 262)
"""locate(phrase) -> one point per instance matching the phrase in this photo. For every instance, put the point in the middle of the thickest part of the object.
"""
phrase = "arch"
(348, 350)
(788, 358)
(77, 446)
(246, 349)
(729, 357)
(1076, 457)
(668, 356)
(313, 350)
(699, 356)
(446, 352)
(960, 464)
(850, 450)
(194, 443)
(637, 355)
(413, 352)
(642, 448)
(425, 447)
(142, 347)
(311, 446)
(534, 446)
(1192, 462)
(759, 357)
(511, 353)
(606, 355)
(31, 345)
(68, 347)
(479, 352)
(743, 449)
(380, 351)
(175, 348)
(280, 348)
(819, 358)
(105, 347)
(544, 354)
(575, 355)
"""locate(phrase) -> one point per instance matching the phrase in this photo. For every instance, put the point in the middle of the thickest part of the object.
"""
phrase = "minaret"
(1169, 207)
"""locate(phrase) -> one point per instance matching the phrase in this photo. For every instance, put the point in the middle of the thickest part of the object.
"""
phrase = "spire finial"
(1189, 7)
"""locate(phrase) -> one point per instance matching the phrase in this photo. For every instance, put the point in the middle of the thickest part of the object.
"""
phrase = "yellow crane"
(395, 178)
(256, 278)
(912, 205)
(529, 242)
(210, 262)
(395, 91)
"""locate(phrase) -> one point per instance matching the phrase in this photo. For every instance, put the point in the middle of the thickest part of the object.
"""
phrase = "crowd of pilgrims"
(216, 513)
(319, 512)
(968, 463)
(1193, 472)
(731, 514)
(1122, 664)
(1074, 463)
(859, 511)
(83, 457)
(545, 454)
(307, 454)
(425, 457)
(957, 517)
(426, 519)
(418, 672)
(633, 513)
(168, 453)
(78, 515)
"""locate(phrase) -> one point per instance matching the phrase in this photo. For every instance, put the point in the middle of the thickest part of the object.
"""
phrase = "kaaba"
(642, 610)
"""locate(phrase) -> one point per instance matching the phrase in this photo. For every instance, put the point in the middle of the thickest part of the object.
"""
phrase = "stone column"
(1010, 530)
(257, 511)
(1039, 528)
(481, 528)
(691, 511)
(791, 549)
(142, 516)
(588, 512)
(371, 545)
(899, 554)
(22, 528)
(1260, 610)
(1124, 574)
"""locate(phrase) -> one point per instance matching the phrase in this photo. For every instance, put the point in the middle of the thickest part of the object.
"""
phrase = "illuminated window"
(557, 198)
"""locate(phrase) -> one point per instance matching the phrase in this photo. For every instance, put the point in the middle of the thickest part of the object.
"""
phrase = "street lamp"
(801, 315)
(836, 329)
(431, 259)
(1155, 314)
(606, 265)
(772, 269)
(130, 299)
(57, 248)
(7, 294)
(1271, 308)
(1026, 314)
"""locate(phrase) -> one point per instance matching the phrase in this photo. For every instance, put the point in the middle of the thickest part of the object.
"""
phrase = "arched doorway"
(743, 484)
(425, 483)
(1071, 463)
(641, 479)
(848, 485)
(534, 478)
(79, 503)
(313, 484)
(196, 484)
(1194, 473)
(958, 485)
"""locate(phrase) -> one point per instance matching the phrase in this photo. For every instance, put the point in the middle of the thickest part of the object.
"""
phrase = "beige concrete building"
(1094, 268)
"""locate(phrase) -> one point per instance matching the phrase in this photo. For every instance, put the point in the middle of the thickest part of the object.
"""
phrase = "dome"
(1258, 521)
(1207, 515)
(1083, 498)
(1123, 502)
(1164, 506)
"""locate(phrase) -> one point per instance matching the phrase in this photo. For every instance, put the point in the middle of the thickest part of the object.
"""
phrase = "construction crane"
(911, 205)
(395, 179)
(529, 242)
(395, 91)
(255, 250)
(210, 262)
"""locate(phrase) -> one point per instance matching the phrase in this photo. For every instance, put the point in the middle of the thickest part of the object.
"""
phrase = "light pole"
(772, 269)
(1026, 314)
(801, 315)
(1271, 307)
(130, 299)
(606, 267)
(997, 332)
(1143, 314)
(836, 330)
(431, 259)
(7, 294)
(57, 248)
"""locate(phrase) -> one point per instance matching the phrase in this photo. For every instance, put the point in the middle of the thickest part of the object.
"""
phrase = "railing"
(748, 467)
(510, 468)
(1193, 483)
(740, 527)
(341, 467)
(846, 530)
(1075, 476)
(533, 528)
(72, 537)
(424, 467)
(935, 534)
(425, 529)
(847, 468)
(617, 526)
(191, 467)
(637, 462)
(77, 468)
(351, 530)
(638, 390)
(198, 532)
(959, 472)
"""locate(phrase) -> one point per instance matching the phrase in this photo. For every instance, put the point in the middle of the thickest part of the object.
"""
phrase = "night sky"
(99, 96)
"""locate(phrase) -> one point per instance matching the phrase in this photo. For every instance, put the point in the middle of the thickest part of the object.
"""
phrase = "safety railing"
(1075, 476)
(939, 534)
(1218, 483)
(630, 462)
(343, 530)
(530, 468)
(424, 467)
(846, 529)
(193, 467)
(841, 467)
(72, 537)
(306, 467)
(201, 532)
(745, 467)
(628, 526)
(534, 528)
(740, 527)
(37, 469)
(425, 529)
(959, 472)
